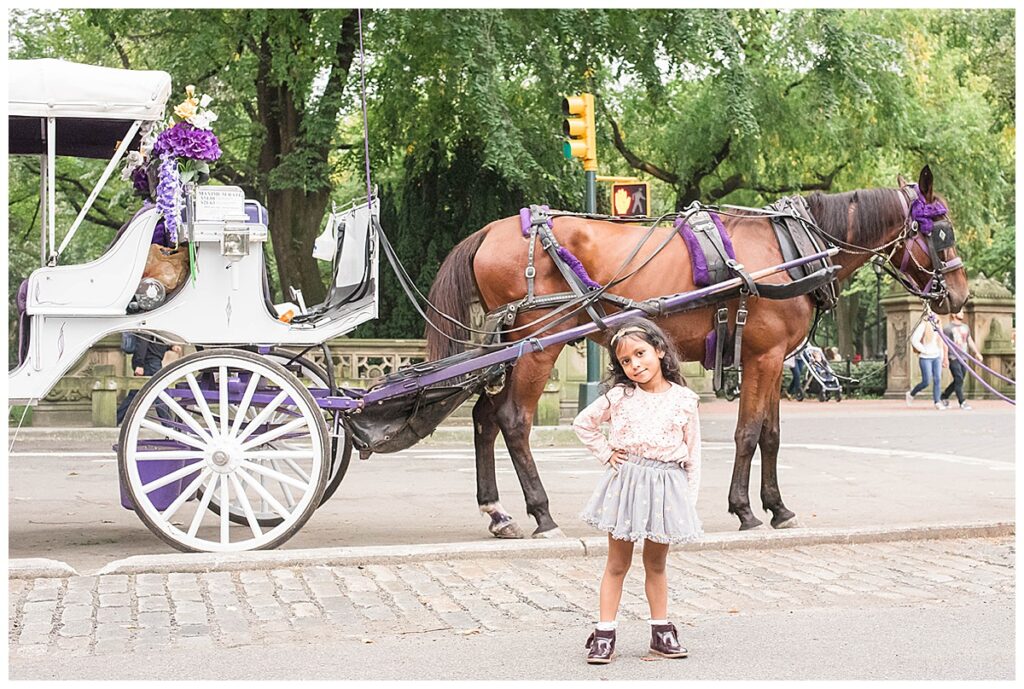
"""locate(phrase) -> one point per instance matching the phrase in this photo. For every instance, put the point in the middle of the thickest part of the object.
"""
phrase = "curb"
(37, 568)
(540, 436)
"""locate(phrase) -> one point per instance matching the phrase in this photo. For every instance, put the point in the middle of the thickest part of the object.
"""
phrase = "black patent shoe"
(664, 641)
(601, 644)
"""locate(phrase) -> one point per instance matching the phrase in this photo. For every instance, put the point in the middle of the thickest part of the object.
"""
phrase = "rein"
(963, 355)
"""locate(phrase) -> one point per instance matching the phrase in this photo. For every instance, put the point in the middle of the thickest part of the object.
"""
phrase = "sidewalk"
(118, 614)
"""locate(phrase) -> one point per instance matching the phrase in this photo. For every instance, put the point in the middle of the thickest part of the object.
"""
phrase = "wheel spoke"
(279, 454)
(223, 410)
(275, 475)
(172, 434)
(200, 399)
(296, 468)
(289, 498)
(184, 415)
(276, 433)
(204, 504)
(243, 408)
(169, 478)
(141, 456)
(243, 500)
(225, 510)
(264, 413)
(185, 495)
(267, 497)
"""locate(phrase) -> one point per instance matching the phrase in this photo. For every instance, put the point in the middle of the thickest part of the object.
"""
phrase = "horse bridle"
(926, 226)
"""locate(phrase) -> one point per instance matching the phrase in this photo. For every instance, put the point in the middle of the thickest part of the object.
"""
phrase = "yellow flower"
(187, 109)
(190, 106)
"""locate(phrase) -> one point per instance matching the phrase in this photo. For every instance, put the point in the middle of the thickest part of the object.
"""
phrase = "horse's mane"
(861, 217)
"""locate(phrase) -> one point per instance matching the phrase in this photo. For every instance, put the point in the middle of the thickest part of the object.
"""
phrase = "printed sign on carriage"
(631, 198)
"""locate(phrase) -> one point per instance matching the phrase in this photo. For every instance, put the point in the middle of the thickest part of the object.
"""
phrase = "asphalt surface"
(851, 464)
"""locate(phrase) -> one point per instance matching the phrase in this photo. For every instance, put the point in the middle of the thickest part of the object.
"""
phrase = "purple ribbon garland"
(167, 194)
(959, 354)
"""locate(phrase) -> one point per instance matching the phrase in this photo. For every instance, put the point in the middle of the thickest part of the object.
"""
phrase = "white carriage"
(187, 444)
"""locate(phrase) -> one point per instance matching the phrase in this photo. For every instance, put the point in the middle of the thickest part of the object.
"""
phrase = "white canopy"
(55, 88)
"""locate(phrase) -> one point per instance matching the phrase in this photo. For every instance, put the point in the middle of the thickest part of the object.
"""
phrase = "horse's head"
(926, 258)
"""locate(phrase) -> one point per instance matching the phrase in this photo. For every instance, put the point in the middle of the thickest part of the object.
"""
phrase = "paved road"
(853, 464)
(916, 609)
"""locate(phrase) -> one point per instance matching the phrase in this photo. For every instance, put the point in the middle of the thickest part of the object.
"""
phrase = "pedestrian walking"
(649, 492)
(960, 334)
(795, 389)
(931, 352)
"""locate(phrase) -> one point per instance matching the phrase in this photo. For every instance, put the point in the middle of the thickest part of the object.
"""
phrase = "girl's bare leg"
(655, 581)
(620, 556)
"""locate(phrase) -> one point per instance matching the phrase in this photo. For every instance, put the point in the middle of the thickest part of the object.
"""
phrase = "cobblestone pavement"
(117, 614)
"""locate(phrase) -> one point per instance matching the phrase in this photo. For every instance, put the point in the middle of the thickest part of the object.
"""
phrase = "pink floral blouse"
(661, 426)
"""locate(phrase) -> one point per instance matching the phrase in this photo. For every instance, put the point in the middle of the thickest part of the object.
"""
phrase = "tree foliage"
(731, 106)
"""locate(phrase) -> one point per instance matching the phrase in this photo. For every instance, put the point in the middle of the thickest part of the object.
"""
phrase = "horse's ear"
(902, 181)
(924, 183)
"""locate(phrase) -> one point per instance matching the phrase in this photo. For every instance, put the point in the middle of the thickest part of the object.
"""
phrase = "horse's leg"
(515, 419)
(771, 497)
(756, 389)
(485, 432)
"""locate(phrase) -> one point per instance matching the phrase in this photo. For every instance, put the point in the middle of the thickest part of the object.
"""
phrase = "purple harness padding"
(526, 220)
(710, 342)
(699, 261)
(702, 278)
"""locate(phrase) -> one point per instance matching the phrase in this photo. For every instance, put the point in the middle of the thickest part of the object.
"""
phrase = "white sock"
(607, 626)
(654, 622)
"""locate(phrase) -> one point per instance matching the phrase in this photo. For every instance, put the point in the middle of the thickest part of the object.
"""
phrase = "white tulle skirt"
(644, 499)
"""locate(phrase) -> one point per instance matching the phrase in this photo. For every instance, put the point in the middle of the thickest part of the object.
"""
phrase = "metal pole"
(589, 390)
(878, 315)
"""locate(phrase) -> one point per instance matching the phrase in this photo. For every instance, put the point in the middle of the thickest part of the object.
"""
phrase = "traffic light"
(579, 128)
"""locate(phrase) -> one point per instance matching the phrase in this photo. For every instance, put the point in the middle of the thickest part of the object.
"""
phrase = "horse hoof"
(507, 529)
(791, 523)
(751, 523)
(551, 533)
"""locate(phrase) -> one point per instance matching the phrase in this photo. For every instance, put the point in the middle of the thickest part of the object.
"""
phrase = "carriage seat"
(102, 287)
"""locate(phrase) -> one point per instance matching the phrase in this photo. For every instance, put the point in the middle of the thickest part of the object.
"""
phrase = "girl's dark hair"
(647, 331)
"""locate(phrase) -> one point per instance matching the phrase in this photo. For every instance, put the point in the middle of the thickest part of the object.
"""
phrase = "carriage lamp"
(150, 294)
(234, 242)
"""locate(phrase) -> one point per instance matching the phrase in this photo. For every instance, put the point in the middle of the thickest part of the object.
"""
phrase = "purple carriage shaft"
(675, 302)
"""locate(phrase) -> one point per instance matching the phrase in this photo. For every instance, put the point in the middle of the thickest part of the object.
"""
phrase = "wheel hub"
(223, 459)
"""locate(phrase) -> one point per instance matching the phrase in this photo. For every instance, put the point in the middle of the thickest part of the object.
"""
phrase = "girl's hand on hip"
(618, 456)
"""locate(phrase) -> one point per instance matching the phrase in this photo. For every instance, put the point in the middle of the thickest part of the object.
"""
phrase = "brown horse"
(491, 262)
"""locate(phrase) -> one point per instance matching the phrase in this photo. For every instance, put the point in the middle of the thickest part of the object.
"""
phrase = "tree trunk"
(847, 311)
(295, 216)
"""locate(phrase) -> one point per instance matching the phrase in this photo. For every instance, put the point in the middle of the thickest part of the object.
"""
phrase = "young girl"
(649, 492)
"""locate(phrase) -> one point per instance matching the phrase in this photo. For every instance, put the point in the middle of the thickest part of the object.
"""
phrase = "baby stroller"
(822, 380)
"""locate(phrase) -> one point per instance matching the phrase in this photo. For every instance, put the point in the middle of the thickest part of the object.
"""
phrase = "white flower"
(203, 120)
(204, 101)
(131, 161)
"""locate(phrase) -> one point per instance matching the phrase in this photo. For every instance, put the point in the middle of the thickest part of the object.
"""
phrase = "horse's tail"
(451, 294)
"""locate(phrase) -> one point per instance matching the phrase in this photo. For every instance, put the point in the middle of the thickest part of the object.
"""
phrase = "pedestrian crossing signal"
(631, 199)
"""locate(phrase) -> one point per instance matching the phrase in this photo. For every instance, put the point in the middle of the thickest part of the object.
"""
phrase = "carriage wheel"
(310, 375)
(822, 395)
(839, 395)
(185, 438)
